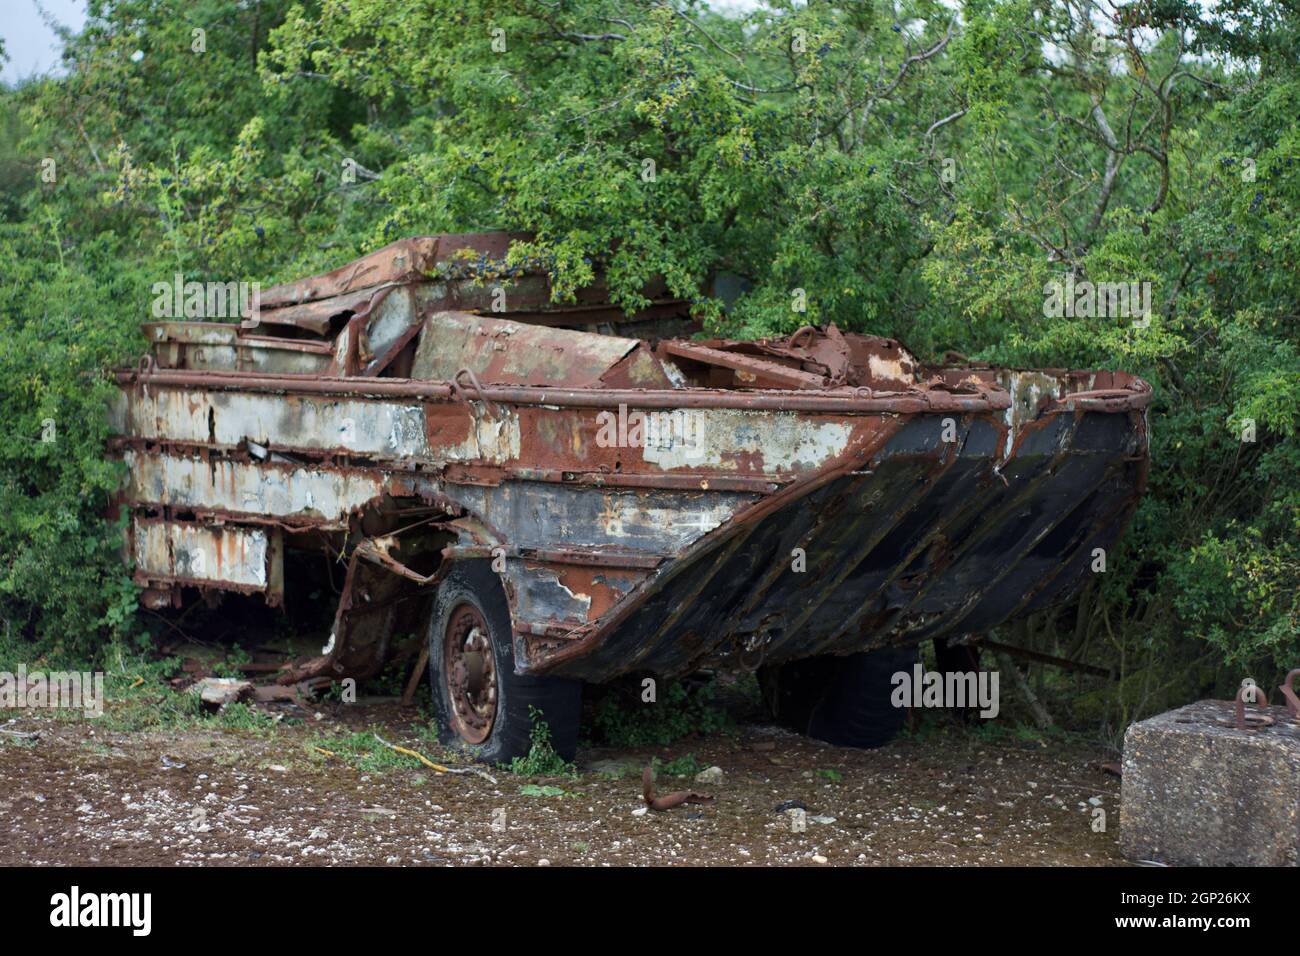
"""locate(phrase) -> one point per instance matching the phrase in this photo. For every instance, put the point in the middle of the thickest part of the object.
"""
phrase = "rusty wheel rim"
(470, 673)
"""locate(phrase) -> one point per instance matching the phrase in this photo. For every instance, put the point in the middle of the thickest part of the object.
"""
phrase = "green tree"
(917, 171)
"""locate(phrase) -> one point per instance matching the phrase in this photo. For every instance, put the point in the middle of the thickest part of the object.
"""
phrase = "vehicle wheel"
(958, 658)
(481, 704)
(841, 700)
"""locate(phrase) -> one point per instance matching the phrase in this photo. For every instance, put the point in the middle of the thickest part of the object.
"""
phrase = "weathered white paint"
(252, 489)
(167, 549)
(384, 430)
(785, 440)
(1027, 389)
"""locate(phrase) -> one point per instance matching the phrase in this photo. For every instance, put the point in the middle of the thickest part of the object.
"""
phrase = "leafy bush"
(680, 711)
(905, 169)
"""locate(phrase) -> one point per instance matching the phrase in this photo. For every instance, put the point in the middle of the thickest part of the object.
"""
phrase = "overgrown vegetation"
(361, 750)
(542, 760)
(624, 720)
(918, 169)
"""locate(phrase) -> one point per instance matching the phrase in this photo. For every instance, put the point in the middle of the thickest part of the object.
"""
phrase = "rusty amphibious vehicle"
(533, 496)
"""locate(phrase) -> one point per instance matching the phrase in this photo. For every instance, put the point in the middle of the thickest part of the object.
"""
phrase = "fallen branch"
(1041, 717)
(1051, 659)
(437, 767)
(19, 733)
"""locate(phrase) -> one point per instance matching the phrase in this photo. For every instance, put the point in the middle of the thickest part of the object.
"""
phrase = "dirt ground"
(84, 793)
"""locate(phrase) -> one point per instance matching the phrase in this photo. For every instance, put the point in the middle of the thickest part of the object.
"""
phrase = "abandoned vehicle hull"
(646, 507)
(798, 532)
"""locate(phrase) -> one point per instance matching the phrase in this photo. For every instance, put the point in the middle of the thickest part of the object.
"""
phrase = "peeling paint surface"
(191, 483)
(169, 549)
(384, 430)
(781, 442)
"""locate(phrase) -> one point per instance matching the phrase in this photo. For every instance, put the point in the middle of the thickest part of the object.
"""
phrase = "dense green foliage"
(916, 172)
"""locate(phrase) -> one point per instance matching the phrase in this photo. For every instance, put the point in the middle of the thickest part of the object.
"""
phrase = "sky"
(33, 47)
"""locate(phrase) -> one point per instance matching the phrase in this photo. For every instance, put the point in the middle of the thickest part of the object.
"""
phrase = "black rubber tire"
(558, 699)
(841, 700)
(958, 658)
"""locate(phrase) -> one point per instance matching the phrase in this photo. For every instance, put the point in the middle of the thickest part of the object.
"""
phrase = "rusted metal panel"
(568, 594)
(514, 353)
(212, 346)
(406, 259)
(273, 489)
(544, 515)
(750, 371)
(318, 316)
(387, 431)
(236, 558)
(467, 272)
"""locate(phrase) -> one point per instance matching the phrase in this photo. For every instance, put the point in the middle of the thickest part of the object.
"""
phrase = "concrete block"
(1197, 791)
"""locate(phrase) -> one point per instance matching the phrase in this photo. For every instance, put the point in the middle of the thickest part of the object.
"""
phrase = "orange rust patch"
(447, 426)
(594, 583)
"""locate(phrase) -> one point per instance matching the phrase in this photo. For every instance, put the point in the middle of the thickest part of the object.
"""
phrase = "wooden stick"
(1041, 658)
(421, 665)
(1041, 716)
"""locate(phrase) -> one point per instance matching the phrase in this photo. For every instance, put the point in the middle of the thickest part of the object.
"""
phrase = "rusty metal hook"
(1288, 692)
(792, 341)
(1260, 702)
(148, 364)
(458, 390)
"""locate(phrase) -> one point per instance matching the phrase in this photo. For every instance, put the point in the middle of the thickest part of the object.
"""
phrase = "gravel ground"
(83, 793)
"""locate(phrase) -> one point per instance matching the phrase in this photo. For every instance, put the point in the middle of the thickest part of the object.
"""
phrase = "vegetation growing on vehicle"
(906, 169)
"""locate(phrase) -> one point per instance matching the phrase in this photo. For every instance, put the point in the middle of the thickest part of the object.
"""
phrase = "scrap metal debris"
(670, 800)
(217, 692)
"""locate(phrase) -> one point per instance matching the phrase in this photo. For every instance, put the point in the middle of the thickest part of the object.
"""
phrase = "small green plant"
(232, 665)
(536, 790)
(542, 760)
(686, 766)
(239, 716)
(138, 699)
(679, 712)
(832, 775)
(363, 751)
